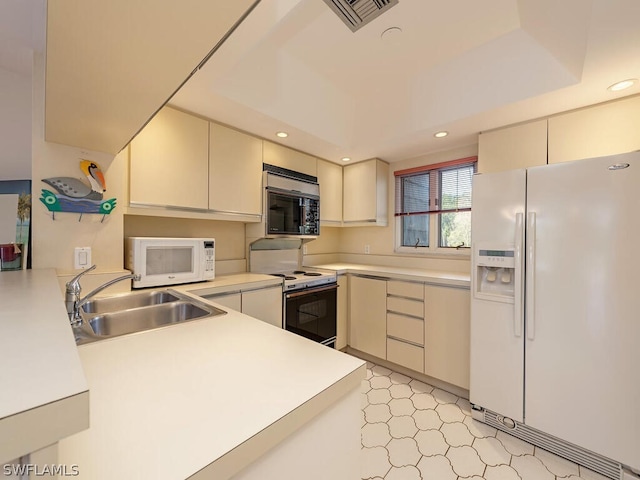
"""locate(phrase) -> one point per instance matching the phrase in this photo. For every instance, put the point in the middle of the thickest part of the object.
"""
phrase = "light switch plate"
(82, 258)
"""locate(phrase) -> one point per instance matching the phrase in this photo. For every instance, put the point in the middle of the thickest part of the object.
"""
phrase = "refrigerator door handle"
(518, 313)
(531, 276)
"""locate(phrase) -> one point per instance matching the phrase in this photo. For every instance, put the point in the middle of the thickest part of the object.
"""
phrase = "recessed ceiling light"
(622, 85)
(440, 134)
(346, 159)
(282, 134)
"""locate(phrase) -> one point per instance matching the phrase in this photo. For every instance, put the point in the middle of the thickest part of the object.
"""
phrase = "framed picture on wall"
(15, 224)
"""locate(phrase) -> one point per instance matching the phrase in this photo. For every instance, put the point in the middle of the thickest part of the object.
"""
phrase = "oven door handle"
(310, 291)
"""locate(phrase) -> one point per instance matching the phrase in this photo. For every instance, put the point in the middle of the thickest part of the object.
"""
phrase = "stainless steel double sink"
(127, 313)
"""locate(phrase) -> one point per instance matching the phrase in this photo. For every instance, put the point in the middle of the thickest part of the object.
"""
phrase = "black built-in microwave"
(291, 203)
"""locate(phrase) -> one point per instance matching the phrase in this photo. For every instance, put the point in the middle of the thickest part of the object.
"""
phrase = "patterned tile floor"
(413, 431)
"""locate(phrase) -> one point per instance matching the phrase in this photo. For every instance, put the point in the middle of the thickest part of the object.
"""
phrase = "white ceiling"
(463, 66)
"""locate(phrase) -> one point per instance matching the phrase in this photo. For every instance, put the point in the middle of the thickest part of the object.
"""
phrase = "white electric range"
(309, 294)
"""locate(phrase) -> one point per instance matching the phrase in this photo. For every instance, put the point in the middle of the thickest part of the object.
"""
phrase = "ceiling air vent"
(357, 13)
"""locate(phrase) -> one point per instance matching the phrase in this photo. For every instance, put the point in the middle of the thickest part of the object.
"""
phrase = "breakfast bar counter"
(44, 394)
(216, 397)
(206, 398)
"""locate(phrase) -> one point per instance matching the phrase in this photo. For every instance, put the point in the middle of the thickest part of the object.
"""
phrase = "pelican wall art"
(73, 195)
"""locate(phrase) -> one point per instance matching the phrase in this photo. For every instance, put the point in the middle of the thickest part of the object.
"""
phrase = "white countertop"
(399, 273)
(40, 366)
(167, 403)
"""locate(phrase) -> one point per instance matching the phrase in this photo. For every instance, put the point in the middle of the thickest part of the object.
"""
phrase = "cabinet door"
(520, 146)
(365, 193)
(602, 130)
(284, 157)
(342, 312)
(405, 354)
(360, 192)
(231, 300)
(368, 315)
(330, 180)
(169, 161)
(235, 171)
(446, 335)
(264, 304)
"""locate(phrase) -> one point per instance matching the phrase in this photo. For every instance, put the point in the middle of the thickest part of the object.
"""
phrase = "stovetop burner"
(307, 274)
(282, 275)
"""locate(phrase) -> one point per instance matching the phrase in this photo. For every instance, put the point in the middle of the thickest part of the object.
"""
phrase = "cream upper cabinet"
(342, 312)
(365, 193)
(284, 157)
(330, 180)
(518, 146)
(446, 334)
(235, 171)
(368, 315)
(169, 161)
(600, 130)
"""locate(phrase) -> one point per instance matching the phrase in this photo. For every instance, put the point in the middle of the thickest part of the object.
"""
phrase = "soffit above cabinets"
(464, 67)
(112, 64)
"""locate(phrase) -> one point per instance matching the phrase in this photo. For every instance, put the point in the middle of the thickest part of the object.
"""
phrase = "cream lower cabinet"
(367, 315)
(235, 171)
(405, 324)
(229, 300)
(342, 312)
(422, 327)
(169, 160)
(264, 304)
(446, 335)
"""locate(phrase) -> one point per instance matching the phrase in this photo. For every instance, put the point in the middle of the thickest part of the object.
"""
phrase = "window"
(433, 206)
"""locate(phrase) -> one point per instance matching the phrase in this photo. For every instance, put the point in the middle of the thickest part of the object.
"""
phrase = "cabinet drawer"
(404, 305)
(406, 355)
(406, 328)
(405, 289)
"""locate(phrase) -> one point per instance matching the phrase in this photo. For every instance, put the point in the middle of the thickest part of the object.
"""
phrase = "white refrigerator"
(555, 311)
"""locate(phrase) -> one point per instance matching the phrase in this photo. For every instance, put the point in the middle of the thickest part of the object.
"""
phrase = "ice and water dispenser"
(496, 271)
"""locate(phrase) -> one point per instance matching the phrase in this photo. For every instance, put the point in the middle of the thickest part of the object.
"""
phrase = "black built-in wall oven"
(311, 312)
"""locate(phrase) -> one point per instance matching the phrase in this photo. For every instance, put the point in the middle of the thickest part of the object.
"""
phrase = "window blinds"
(439, 188)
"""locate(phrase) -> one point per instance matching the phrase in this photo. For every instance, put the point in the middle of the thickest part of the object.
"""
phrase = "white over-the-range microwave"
(170, 261)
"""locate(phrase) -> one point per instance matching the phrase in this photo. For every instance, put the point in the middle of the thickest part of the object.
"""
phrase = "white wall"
(54, 240)
(15, 125)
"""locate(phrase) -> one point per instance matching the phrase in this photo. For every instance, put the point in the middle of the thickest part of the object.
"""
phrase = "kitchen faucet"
(72, 294)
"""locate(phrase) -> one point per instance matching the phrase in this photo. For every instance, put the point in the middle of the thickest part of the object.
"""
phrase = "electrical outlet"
(82, 258)
(367, 249)
(304, 249)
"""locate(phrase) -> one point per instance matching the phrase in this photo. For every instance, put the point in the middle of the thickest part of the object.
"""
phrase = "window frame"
(434, 247)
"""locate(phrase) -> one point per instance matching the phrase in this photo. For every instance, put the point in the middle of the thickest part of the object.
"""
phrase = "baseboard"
(435, 382)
